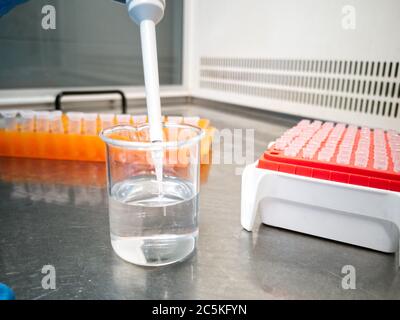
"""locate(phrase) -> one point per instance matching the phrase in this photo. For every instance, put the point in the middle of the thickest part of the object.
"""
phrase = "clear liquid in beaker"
(152, 229)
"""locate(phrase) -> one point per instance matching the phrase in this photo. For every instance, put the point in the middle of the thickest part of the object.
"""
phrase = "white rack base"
(357, 215)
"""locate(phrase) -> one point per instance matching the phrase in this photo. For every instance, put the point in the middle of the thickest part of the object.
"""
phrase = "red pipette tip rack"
(338, 152)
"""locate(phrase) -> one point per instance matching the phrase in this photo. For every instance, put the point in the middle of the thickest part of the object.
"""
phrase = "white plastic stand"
(362, 216)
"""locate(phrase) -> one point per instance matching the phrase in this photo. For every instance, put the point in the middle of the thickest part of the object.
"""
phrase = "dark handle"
(57, 102)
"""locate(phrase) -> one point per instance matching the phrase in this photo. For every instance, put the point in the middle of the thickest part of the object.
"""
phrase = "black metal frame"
(124, 104)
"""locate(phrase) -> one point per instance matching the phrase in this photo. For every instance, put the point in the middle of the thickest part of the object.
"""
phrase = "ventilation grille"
(370, 87)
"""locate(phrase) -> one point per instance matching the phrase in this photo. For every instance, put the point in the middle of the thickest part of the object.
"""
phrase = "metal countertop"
(55, 213)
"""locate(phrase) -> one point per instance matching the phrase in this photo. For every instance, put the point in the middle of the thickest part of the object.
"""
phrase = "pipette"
(147, 13)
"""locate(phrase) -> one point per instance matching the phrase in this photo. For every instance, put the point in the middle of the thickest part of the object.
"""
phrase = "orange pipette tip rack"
(67, 146)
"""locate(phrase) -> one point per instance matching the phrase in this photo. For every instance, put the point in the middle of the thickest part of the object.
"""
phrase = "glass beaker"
(153, 192)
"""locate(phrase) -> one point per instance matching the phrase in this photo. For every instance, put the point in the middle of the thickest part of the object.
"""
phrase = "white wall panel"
(294, 56)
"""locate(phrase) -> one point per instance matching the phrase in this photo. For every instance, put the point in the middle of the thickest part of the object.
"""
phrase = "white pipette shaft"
(151, 79)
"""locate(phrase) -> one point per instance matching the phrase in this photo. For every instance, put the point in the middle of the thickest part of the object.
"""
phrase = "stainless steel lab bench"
(55, 212)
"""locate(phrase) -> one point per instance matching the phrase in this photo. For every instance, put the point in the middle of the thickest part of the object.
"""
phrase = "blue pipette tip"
(6, 292)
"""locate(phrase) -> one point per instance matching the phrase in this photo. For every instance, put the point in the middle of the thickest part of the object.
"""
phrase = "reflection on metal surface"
(60, 182)
(72, 173)
(58, 194)
(299, 269)
(177, 281)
